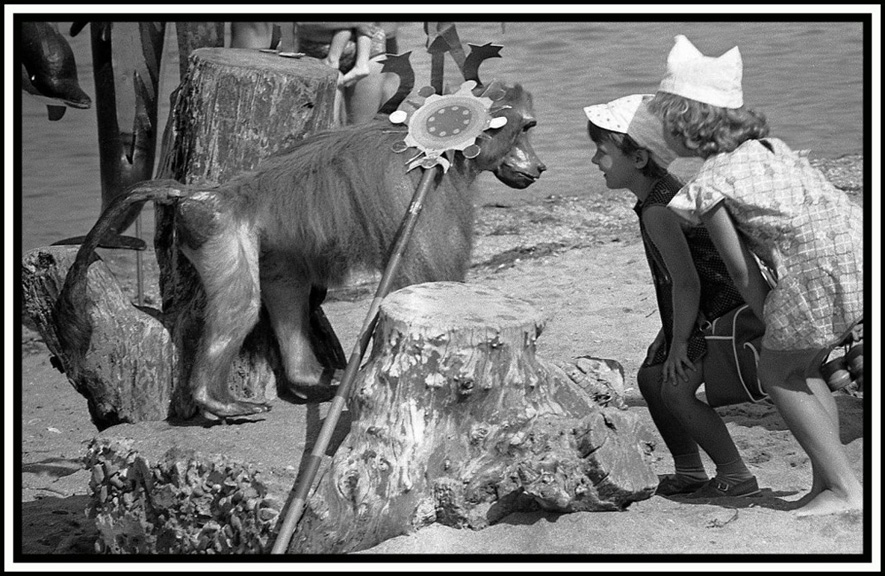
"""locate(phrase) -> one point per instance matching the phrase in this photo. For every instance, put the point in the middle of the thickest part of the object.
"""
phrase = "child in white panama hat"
(690, 279)
(755, 194)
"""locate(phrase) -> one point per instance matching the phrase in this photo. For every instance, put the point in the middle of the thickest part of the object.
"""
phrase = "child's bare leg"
(363, 99)
(823, 393)
(835, 488)
(251, 34)
(337, 45)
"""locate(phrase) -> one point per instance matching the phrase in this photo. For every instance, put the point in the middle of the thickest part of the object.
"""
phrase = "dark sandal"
(675, 484)
(717, 488)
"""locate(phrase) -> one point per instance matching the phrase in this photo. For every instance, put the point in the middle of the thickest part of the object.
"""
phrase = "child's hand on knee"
(678, 364)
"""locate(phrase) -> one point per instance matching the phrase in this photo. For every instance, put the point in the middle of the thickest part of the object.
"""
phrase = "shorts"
(810, 358)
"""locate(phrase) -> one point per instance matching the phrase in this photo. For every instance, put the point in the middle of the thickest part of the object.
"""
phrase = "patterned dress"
(718, 293)
(798, 224)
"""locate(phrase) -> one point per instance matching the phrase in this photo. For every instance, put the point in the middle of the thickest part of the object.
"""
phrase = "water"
(807, 77)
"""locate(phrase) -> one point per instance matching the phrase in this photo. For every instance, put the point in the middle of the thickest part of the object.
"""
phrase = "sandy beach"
(581, 262)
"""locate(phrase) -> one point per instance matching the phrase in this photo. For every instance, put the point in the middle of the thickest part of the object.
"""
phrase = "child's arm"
(660, 340)
(666, 234)
(741, 264)
(336, 47)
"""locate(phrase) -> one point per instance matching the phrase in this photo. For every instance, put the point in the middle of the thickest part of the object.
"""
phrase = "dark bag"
(733, 343)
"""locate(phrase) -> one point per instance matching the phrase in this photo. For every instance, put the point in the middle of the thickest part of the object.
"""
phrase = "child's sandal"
(672, 484)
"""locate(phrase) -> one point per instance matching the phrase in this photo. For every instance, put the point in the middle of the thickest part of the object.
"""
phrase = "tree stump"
(194, 35)
(127, 374)
(455, 420)
(234, 108)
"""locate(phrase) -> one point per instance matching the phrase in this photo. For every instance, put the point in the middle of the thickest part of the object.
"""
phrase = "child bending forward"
(691, 284)
(755, 194)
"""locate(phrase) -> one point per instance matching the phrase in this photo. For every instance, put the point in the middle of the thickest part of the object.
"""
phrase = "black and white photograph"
(478, 287)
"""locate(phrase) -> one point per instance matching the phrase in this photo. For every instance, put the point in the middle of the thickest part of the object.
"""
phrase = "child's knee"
(677, 395)
(648, 379)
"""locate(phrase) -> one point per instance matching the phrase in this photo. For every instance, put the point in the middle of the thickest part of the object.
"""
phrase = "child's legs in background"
(251, 34)
(364, 98)
(793, 382)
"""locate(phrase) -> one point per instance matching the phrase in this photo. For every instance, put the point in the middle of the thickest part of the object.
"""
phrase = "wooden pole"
(139, 266)
(126, 152)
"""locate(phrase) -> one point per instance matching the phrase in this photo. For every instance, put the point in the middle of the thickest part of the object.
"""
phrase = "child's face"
(619, 169)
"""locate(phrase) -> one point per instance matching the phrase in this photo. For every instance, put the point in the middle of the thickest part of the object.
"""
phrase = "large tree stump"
(127, 374)
(234, 108)
(455, 420)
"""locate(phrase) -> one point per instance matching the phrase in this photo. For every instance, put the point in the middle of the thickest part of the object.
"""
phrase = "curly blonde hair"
(706, 128)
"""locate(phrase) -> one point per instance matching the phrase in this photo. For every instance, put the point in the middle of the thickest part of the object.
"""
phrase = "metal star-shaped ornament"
(444, 124)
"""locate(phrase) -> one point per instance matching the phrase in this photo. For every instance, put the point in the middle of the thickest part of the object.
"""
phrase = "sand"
(596, 291)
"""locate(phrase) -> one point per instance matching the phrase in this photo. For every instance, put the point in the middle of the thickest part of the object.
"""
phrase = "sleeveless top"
(801, 226)
(718, 293)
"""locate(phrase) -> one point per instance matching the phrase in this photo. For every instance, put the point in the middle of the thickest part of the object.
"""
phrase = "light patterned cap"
(615, 115)
(714, 81)
(630, 115)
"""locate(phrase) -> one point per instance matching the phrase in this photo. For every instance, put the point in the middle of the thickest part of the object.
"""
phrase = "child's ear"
(640, 158)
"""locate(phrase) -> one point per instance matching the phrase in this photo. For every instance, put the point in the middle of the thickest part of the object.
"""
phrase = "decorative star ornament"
(444, 124)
